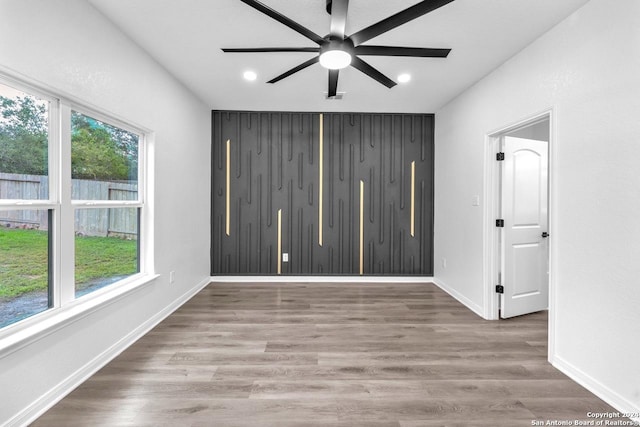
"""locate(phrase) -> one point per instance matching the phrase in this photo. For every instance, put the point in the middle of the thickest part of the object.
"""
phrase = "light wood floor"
(370, 355)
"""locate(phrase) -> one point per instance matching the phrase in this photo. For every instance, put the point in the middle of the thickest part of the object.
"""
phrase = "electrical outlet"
(172, 276)
(444, 263)
(285, 257)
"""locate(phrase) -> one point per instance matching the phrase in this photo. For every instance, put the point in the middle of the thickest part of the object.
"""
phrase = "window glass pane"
(104, 160)
(24, 145)
(24, 264)
(106, 245)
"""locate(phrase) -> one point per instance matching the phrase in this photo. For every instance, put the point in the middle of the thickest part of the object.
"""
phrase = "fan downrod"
(329, 6)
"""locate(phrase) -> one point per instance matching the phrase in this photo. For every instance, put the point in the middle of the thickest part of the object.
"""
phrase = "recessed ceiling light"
(250, 75)
(404, 78)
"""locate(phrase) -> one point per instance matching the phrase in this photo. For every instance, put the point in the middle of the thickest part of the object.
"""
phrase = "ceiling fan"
(337, 50)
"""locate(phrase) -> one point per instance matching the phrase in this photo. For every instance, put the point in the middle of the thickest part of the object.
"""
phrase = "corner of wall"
(477, 309)
(598, 388)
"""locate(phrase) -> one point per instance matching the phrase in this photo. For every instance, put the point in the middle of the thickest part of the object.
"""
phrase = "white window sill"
(40, 325)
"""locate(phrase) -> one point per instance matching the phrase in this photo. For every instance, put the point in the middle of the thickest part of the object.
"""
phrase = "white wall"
(588, 70)
(71, 49)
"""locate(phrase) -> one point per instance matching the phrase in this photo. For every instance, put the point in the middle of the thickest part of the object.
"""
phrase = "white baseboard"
(325, 279)
(603, 392)
(461, 298)
(57, 393)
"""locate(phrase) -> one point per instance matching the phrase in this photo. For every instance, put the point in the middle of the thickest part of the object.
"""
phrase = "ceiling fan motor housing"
(336, 43)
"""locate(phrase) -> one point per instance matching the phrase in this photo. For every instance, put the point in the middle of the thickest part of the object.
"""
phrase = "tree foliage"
(23, 136)
(99, 151)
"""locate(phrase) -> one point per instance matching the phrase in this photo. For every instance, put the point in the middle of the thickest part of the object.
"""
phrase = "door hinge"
(499, 222)
(499, 289)
(500, 156)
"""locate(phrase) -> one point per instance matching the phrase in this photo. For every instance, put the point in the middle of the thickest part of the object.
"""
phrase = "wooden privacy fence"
(88, 222)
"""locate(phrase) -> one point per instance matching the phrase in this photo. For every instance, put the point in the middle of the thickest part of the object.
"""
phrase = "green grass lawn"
(23, 260)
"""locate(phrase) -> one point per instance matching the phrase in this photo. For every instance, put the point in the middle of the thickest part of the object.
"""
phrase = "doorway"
(518, 239)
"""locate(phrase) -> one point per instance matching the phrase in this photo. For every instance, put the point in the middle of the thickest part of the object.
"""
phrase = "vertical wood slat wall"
(269, 162)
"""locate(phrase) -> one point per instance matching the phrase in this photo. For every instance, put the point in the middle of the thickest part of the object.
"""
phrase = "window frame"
(71, 206)
(63, 305)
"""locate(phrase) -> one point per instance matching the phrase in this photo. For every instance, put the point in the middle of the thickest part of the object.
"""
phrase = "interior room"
(269, 237)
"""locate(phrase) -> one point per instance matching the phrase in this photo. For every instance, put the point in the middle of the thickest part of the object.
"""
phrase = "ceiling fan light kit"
(336, 54)
(335, 59)
(337, 51)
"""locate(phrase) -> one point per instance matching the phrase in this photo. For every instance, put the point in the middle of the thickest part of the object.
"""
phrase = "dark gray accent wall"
(274, 165)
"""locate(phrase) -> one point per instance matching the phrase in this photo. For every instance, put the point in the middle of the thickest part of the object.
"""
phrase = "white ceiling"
(185, 36)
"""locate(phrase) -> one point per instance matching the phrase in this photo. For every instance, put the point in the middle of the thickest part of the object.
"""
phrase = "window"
(71, 203)
(24, 264)
(104, 167)
(107, 250)
(102, 153)
(25, 237)
(24, 145)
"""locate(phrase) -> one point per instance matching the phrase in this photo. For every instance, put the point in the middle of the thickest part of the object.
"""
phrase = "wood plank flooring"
(276, 354)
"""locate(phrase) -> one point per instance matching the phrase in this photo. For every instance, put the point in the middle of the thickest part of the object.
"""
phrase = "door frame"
(491, 236)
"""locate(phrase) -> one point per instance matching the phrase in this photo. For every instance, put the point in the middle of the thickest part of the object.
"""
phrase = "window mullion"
(66, 217)
(55, 249)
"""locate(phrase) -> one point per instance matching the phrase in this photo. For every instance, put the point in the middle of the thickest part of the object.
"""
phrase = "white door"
(525, 258)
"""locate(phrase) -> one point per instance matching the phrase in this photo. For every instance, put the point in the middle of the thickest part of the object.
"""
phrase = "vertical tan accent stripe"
(228, 195)
(361, 227)
(279, 241)
(413, 198)
(321, 179)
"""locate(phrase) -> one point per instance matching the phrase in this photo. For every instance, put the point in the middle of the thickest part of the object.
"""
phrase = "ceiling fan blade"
(421, 52)
(295, 69)
(333, 82)
(372, 72)
(284, 20)
(271, 49)
(339, 17)
(396, 20)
